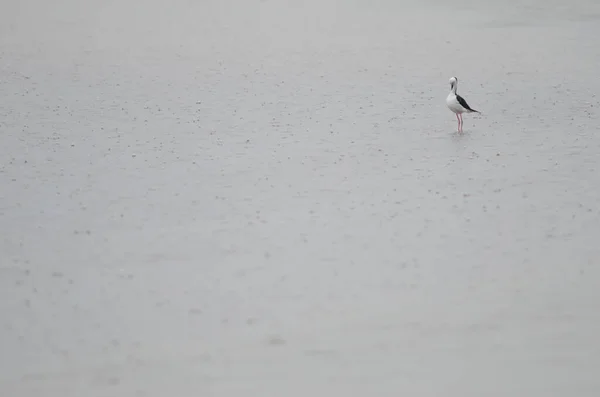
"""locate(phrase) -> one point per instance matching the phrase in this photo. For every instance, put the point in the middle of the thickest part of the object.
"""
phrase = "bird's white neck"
(453, 88)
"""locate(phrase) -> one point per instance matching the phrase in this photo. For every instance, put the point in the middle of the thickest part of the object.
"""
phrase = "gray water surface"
(269, 198)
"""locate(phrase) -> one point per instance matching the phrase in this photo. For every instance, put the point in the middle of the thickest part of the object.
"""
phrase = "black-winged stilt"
(457, 104)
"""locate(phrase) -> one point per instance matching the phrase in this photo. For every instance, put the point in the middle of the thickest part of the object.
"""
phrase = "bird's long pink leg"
(457, 119)
(461, 122)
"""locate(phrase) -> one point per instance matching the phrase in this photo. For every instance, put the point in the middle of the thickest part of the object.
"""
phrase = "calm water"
(269, 198)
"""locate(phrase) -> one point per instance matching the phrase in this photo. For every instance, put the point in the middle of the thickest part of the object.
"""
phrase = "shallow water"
(266, 198)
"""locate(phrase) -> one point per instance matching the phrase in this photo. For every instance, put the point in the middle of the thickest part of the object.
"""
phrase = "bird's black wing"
(464, 103)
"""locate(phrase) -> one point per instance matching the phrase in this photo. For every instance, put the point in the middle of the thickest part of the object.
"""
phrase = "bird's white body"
(457, 104)
(453, 104)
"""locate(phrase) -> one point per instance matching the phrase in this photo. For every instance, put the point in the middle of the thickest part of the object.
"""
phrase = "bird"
(457, 104)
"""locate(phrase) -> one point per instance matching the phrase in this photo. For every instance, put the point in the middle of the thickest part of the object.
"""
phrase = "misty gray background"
(269, 198)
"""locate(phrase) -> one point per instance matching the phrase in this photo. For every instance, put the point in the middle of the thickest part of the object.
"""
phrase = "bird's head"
(453, 81)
